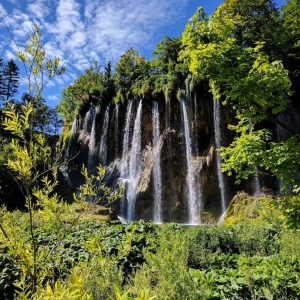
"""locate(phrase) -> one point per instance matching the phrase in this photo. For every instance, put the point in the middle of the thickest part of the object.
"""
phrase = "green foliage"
(143, 261)
(256, 21)
(213, 246)
(243, 76)
(240, 73)
(254, 278)
(92, 86)
(165, 272)
(168, 73)
(290, 43)
(290, 207)
(95, 190)
(9, 80)
(106, 254)
(130, 76)
(39, 70)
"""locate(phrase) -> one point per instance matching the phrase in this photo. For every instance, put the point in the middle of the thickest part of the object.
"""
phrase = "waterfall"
(168, 121)
(194, 201)
(92, 143)
(196, 125)
(124, 160)
(116, 130)
(156, 164)
(103, 139)
(135, 164)
(86, 121)
(256, 184)
(217, 131)
(73, 131)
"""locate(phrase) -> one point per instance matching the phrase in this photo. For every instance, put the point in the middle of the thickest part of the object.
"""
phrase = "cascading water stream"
(124, 160)
(135, 164)
(92, 143)
(217, 131)
(116, 130)
(86, 121)
(157, 216)
(194, 197)
(256, 184)
(103, 139)
(73, 131)
(196, 124)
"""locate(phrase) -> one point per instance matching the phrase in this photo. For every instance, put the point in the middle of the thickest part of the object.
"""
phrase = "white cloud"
(52, 50)
(76, 40)
(3, 12)
(80, 31)
(68, 19)
(60, 81)
(54, 98)
(82, 64)
(10, 55)
(38, 9)
(115, 25)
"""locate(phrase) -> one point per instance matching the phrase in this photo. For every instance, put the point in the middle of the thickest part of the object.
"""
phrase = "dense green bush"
(9, 273)
(248, 260)
(121, 244)
(253, 278)
(215, 244)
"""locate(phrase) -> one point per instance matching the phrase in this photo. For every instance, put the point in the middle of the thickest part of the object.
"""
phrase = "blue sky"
(80, 31)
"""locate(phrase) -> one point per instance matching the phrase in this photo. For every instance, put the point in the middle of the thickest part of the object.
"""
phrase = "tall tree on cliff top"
(88, 87)
(241, 74)
(130, 72)
(168, 73)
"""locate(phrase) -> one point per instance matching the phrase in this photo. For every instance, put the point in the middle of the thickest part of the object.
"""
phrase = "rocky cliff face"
(162, 152)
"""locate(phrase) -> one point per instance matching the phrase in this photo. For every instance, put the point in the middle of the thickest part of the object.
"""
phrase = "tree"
(28, 154)
(109, 86)
(31, 164)
(166, 50)
(242, 76)
(88, 87)
(168, 72)
(10, 81)
(130, 73)
(290, 44)
(256, 21)
(46, 119)
(1, 78)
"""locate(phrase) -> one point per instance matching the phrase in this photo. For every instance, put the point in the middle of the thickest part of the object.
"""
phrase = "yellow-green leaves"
(17, 123)
(245, 153)
(95, 190)
(39, 70)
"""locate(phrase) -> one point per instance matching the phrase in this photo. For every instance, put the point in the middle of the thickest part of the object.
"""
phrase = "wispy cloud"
(3, 12)
(55, 98)
(39, 9)
(82, 31)
(115, 25)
